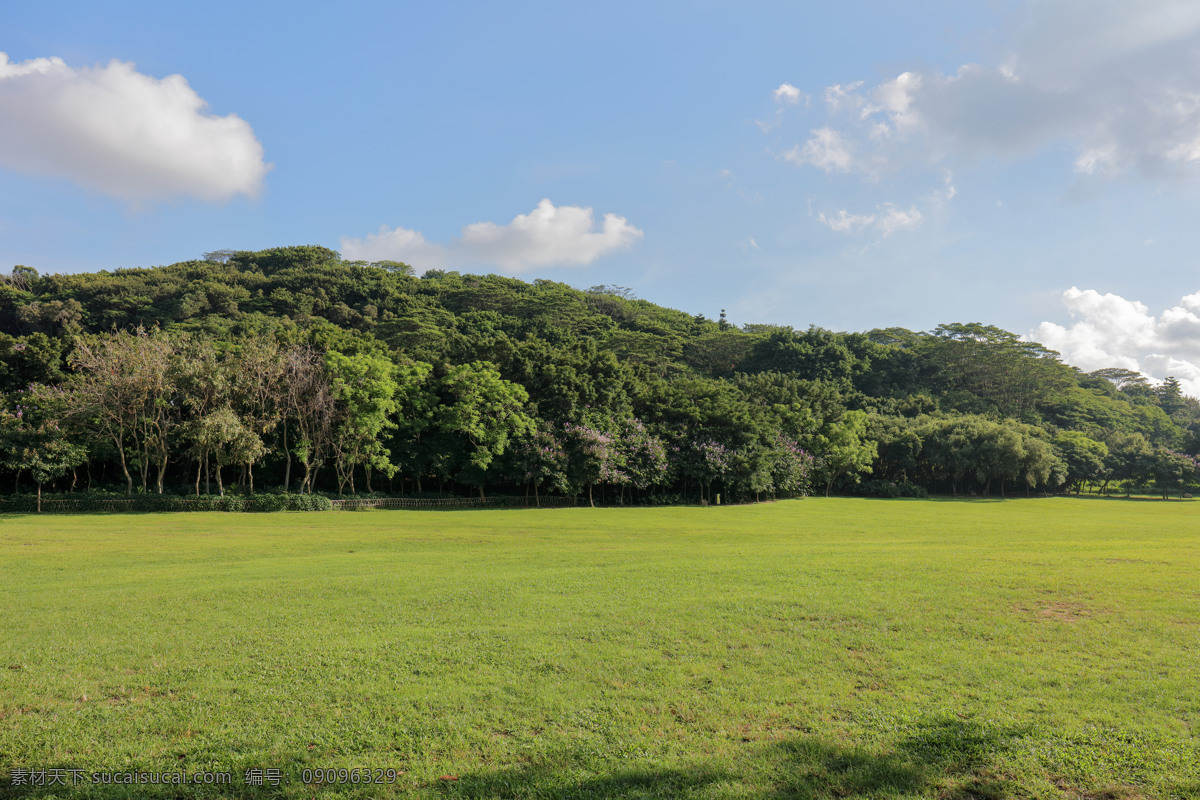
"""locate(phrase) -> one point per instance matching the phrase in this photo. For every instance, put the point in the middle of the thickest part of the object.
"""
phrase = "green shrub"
(92, 502)
(309, 502)
(881, 488)
(268, 502)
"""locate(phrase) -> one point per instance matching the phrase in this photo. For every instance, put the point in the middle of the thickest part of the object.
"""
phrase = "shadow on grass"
(951, 759)
(1120, 498)
(994, 498)
(948, 758)
(945, 758)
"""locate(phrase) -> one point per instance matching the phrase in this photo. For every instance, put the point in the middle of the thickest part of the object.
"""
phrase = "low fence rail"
(94, 504)
(358, 504)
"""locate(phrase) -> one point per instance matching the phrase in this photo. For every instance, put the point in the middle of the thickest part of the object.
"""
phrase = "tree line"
(293, 370)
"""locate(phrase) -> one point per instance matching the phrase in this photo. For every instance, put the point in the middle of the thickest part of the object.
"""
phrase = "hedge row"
(25, 503)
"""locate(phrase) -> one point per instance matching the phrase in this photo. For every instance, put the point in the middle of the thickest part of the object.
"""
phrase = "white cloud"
(840, 98)
(787, 94)
(395, 244)
(825, 150)
(950, 191)
(1111, 331)
(1118, 82)
(548, 236)
(895, 219)
(886, 220)
(845, 222)
(119, 132)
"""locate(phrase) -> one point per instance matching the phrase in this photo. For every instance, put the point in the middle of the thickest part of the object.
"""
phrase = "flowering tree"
(643, 454)
(540, 459)
(593, 457)
(705, 461)
(791, 467)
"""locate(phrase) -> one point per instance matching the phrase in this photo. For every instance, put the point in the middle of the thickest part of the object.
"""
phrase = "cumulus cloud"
(116, 131)
(787, 94)
(1110, 331)
(1118, 82)
(548, 236)
(826, 150)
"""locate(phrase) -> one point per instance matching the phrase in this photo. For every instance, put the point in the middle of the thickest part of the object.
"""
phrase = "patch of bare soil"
(1060, 611)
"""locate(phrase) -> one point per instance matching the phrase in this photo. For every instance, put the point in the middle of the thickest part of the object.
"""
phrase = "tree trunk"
(590, 501)
(481, 497)
(220, 484)
(199, 462)
(125, 468)
(39, 497)
(250, 474)
(537, 501)
(162, 469)
(287, 471)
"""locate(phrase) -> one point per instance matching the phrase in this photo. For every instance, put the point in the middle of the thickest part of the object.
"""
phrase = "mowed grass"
(815, 648)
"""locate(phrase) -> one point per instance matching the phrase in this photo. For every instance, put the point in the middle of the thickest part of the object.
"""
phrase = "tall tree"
(485, 412)
(364, 391)
(124, 386)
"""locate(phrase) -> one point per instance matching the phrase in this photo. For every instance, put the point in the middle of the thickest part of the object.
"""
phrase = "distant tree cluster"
(293, 370)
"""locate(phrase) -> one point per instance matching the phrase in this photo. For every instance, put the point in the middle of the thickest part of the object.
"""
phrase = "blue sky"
(853, 165)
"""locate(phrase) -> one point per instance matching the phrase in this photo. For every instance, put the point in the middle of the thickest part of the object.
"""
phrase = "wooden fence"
(357, 504)
(350, 504)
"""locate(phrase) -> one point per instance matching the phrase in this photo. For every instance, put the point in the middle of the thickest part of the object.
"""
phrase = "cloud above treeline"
(1117, 82)
(1110, 331)
(548, 236)
(119, 132)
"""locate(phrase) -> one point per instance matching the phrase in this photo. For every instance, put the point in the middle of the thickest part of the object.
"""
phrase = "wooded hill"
(291, 369)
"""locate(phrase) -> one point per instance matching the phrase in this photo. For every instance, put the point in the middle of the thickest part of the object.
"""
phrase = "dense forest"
(292, 370)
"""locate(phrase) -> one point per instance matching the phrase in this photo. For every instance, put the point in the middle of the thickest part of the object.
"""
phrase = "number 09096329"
(354, 775)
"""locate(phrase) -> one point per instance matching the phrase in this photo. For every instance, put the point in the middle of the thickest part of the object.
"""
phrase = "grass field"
(815, 648)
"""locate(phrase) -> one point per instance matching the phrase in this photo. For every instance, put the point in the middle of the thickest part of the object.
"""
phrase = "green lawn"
(815, 648)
